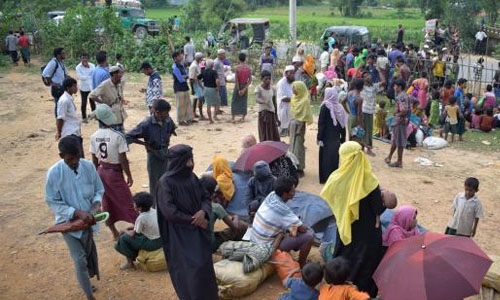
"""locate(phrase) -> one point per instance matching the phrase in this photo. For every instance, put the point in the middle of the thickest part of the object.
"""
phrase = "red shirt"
(23, 41)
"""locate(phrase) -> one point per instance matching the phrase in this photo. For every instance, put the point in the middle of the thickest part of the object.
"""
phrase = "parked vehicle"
(347, 35)
(135, 19)
(244, 32)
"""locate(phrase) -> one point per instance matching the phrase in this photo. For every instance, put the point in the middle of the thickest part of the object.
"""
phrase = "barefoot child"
(467, 210)
(303, 288)
(337, 287)
(380, 117)
(145, 234)
(452, 115)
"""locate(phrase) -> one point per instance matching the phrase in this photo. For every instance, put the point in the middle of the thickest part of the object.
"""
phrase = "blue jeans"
(77, 252)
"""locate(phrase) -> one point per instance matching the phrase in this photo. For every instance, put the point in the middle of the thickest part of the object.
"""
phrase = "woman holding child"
(354, 196)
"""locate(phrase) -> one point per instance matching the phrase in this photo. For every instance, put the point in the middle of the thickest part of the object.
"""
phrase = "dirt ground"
(39, 267)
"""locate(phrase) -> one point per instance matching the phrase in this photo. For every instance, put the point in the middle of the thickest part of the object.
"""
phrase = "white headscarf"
(337, 112)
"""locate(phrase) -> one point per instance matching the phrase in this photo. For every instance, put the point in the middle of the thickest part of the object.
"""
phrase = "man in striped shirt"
(275, 220)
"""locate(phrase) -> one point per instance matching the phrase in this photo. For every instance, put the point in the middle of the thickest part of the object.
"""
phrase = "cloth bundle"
(252, 255)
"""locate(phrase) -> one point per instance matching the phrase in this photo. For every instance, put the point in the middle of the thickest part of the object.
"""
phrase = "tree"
(400, 5)
(491, 8)
(347, 8)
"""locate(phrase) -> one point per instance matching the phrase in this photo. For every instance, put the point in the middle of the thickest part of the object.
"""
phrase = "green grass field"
(312, 20)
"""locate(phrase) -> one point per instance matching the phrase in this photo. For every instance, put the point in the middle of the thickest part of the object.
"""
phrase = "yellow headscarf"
(346, 186)
(224, 176)
(300, 104)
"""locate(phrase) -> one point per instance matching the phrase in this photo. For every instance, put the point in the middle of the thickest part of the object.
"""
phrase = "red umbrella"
(266, 151)
(432, 266)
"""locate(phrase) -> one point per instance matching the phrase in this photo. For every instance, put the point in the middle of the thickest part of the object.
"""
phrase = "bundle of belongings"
(252, 255)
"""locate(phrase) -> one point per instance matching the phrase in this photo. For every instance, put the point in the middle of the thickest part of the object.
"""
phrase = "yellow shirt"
(438, 69)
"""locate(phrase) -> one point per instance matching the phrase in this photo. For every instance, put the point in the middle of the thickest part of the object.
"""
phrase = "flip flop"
(395, 165)
(387, 160)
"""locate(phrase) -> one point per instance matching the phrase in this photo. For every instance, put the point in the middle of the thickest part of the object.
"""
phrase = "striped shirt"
(272, 217)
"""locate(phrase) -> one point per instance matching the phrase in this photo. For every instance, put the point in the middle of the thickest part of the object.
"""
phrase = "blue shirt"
(459, 94)
(100, 74)
(299, 290)
(155, 134)
(58, 76)
(66, 191)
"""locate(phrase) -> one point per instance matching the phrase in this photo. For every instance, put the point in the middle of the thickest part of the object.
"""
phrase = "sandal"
(395, 165)
(387, 160)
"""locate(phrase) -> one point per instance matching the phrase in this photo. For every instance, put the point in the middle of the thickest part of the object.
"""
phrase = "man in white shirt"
(189, 51)
(324, 59)
(67, 121)
(284, 93)
(84, 72)
(480, 39)
(196, 87)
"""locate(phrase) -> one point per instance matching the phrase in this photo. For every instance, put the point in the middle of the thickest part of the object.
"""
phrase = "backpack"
(46, 80)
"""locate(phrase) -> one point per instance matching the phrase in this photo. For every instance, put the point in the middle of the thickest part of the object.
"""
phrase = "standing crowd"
(178, 213)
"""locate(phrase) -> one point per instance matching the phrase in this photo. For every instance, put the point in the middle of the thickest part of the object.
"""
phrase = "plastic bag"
(233, 283)
(419, 136)
(434, 143)
(151, 261)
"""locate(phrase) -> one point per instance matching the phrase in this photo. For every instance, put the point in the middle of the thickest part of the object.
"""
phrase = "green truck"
(134, 18)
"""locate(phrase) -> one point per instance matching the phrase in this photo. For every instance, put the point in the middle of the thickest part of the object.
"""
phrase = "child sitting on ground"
(452, 114)
(259, 186)
(236, 228)
(434, 111)
(380, 117)
(303, 288)
(223, 174)
(337, 287)
(487, 121)
(476, 119)
(145, 234)
(403, 225)
(467, 210)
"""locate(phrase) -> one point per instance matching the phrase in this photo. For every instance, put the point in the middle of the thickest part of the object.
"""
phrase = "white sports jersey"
(107, 144)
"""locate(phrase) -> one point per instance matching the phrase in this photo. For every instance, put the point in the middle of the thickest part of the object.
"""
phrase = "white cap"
(198, 55)
(221, 51)
(296, 58)
(289, 68)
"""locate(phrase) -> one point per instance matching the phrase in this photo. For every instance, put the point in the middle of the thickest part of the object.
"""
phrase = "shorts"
(450, 128)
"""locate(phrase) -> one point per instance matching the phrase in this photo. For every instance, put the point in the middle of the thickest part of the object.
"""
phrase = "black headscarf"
(178, 156)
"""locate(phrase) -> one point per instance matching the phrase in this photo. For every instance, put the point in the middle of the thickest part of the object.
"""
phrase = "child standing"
(145, 234)
(452, 114)
(303, 288)
(434, 111)
(337, 287)
(467, 210)
(380, 117)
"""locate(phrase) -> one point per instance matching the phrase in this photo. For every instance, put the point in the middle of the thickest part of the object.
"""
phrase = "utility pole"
(293, 23)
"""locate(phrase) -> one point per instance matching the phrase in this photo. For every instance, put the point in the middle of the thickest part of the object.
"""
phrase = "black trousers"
(85, 96)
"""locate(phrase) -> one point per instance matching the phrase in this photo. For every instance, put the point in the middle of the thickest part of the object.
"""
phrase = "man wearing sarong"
(109, 154)
(184, 208)
(73, 190)
(284, 94)
(181, 89)
(155, 131)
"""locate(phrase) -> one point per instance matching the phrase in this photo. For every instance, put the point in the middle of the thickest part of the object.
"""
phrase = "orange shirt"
(341, 292)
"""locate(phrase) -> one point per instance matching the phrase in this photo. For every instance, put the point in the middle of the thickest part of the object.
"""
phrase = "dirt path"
(39, 267)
